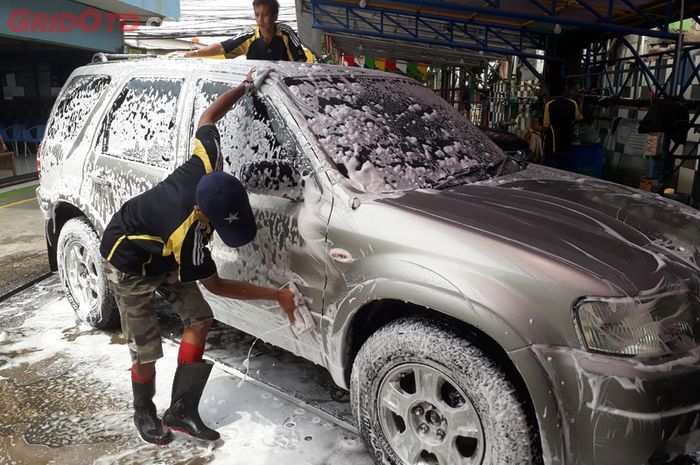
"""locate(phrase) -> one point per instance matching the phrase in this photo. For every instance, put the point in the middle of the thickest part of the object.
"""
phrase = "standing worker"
(157, 242)
(560, 115)
(267, 40)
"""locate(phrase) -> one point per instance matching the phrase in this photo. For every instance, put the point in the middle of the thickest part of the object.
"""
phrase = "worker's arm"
(296, 51)
(225, 102)
(237, 46)
(246, 291)
(208, 51)
(578, 116)
(545, 118)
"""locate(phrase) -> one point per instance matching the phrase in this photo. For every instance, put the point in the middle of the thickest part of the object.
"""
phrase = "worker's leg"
(144, 371)
(193, 340)
(192, 372)
(134, 297)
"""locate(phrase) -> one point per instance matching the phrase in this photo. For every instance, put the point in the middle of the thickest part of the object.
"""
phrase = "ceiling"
(474, 31)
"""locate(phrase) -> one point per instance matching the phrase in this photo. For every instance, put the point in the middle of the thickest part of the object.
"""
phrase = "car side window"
(252, 131)
(141, 125)
(70, 114)
(207, 92)
(286, 146)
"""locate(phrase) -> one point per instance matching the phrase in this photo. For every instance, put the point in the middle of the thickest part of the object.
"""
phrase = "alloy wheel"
(82, 277)
(428, 419)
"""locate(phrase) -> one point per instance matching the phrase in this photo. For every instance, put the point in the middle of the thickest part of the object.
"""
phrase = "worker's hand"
(260, 78)
(285, 298)
(249, 77)
(178, 54)
(256, 80)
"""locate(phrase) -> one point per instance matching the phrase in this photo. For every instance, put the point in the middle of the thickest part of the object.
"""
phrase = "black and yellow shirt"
(159, 230)
(560, 114)
(285, 45)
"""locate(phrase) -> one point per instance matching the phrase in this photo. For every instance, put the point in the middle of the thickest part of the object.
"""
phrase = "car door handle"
(341, 255)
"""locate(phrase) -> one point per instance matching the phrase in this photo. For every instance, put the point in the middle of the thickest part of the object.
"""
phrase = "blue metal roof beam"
(344, 9)
(408, 31)
(644, 68)
(464, 30)
(605, 23)
(355, 15)
(330, 15)
(447, 38)
(476, 22)
(650, 19)
(593, 12)
(541, 7)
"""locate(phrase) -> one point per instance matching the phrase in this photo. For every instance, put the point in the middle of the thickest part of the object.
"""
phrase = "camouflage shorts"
(135, 295)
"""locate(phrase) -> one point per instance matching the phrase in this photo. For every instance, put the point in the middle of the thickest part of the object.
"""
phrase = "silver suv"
(480, 311)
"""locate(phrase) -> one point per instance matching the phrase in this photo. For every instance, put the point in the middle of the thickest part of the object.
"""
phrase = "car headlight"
(647, 326)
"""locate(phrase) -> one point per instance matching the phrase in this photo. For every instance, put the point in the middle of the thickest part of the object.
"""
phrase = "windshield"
(394, 134)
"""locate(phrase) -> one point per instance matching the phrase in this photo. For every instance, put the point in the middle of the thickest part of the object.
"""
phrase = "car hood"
(635, 242)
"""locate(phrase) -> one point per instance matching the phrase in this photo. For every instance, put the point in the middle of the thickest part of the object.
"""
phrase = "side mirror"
(273, 177)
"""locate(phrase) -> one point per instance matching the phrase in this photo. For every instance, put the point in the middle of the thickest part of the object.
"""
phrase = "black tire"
(408, 357)
(82, 275)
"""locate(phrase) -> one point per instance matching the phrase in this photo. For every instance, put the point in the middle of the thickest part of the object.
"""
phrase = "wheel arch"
(381, 312)
(62, 212)
(376, 314)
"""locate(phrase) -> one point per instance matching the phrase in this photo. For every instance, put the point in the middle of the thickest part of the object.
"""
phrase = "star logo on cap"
(232, 217)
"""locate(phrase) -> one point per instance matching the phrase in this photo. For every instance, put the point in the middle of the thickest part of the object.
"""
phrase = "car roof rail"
(102, 57)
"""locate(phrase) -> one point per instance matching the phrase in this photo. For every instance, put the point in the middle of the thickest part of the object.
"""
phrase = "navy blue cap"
(224, 201)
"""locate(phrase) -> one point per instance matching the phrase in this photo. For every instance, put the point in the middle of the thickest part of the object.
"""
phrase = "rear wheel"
(424, 395)
(82, 275)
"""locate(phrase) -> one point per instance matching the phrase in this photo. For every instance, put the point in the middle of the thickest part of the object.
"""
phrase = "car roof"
(283, 68)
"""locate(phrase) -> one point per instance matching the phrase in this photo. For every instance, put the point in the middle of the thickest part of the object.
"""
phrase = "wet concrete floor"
(65, 390)
(65, 396)
(22, 245)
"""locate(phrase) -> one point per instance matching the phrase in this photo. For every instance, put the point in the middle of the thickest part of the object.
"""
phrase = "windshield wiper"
(448, 179)
(496, 169)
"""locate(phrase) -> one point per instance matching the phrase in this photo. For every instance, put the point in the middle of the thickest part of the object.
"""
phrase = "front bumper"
(612, 410)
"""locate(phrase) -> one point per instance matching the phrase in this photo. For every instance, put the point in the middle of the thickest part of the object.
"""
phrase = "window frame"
(62, 97)
(180, 106)
(267, 100)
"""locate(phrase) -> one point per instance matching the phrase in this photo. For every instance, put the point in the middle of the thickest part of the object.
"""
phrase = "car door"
(136, 144)
(291, 230)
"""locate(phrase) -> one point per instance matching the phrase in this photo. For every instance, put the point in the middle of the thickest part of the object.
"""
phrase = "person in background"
(267, 40)
(535, 137)
(560, 115)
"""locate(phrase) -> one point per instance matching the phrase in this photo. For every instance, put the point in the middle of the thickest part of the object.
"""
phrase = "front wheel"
(422, 394)
(82, 275)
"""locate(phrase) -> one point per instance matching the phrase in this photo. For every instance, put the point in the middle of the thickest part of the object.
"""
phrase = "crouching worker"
(157, 243)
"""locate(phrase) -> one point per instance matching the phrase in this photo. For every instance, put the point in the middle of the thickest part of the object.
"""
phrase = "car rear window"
(75, 103)
(141, 125)
(390, 134)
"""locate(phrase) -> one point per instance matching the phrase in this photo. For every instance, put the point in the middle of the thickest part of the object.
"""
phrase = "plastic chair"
(33, 135)
(7, 157)
(15, 135)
